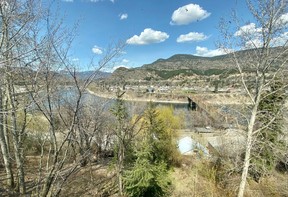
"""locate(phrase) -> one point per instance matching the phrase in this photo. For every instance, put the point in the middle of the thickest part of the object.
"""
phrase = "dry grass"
(96, 180)
(275, 185)
(193, 179)
(196, 178)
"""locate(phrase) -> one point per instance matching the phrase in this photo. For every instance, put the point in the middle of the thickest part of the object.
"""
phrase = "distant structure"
(150, 90)
(191, 105)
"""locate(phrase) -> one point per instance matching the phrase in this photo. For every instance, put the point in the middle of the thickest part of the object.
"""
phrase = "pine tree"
(160, 128)
(149, 174)
(146, 177)
(119, 110)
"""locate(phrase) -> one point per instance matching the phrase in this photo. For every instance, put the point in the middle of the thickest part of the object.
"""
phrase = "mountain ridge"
(188, 65)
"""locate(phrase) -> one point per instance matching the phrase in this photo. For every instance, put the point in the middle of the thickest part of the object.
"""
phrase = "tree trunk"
(249, 142)
(120, 168)
(47, 185)
(16, 141)
(4, 147)
(247, 154)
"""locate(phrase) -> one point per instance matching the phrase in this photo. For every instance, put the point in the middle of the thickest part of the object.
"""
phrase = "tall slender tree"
(265, 41)
(125, 132)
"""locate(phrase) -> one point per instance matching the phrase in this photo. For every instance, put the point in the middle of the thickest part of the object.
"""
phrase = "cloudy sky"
(152, 29)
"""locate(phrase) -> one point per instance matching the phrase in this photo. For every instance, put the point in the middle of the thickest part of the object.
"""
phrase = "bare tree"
(17, 18)
(31, 60)
(265, 43)
(57, 110)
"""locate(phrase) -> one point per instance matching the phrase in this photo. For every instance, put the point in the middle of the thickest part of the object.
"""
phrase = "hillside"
(189, 65)
(180, 64)
(184, 61)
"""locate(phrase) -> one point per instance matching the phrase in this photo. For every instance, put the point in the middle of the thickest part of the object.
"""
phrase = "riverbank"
(130, 97)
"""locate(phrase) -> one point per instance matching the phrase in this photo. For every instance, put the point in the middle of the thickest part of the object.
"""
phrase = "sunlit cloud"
(123, 16)
(97, 50)
(205, 52)
(282, 21)
(192, 37)
(253, 43)
(75, 59)
(281, 40)
(125, 61)
(148, 36)
(188, 14)
(252, 36)
(249, 29)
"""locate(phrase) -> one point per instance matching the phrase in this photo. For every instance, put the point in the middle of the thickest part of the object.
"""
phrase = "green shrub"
(147, 178)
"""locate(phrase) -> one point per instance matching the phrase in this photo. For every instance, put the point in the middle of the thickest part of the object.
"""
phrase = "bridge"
(216, 116)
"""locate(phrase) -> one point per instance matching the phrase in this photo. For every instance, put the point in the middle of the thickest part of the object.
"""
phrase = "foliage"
(155, 153)
(160, 126)
(269, 139)
(172, 122)
(147, 178)
(124, 133)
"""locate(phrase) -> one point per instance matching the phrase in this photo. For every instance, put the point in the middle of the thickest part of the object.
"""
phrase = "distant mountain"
(188, 65)
(184, 61)
(98, 75)
(175, 65)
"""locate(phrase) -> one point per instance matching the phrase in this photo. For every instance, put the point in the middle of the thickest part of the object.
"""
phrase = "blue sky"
(152, 29)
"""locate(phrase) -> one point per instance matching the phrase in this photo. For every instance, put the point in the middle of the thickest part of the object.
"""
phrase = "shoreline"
(104, 95)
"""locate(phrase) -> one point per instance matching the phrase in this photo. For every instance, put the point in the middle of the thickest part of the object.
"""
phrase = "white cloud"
(250, 36)
(253, 43)
(282, 21)
(192, 36)
(123, 16)
(248, 30)
(188, 14)
(75, 59)
(125, 61)
(148, 36)
(205, 52)
(281, 40)
(68, 0)
(97, 50)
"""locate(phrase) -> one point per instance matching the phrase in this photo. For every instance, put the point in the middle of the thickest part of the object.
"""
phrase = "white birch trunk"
(4, 147)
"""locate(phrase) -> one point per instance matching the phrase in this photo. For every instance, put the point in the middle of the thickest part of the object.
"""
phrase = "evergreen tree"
(160, 130)
(149, 174)
(123, 132)
(155, 152)
(147, 178)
